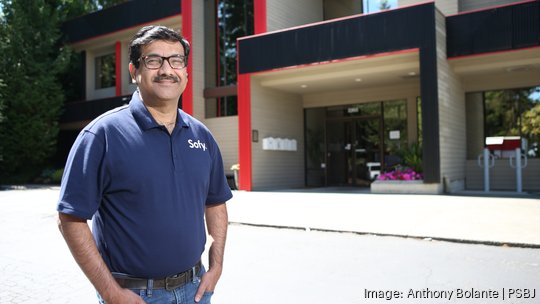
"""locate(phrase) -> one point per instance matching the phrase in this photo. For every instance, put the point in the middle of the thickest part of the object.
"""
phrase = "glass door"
(367, 150)
(353, 151)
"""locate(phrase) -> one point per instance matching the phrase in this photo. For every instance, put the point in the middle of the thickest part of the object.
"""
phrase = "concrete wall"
(276, 114)
(452, 122)
(283, 14)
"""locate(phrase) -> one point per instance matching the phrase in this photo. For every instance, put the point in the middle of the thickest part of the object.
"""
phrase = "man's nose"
(166, 66)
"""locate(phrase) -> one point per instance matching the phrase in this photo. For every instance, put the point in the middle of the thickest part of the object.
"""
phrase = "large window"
(234, 19)
(514, 113)
(357, 137)
(105, 71)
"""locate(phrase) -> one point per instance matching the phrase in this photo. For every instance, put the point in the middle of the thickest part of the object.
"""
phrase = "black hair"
(149, 34)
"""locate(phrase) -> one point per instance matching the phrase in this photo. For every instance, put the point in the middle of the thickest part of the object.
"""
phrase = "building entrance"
(353, 151)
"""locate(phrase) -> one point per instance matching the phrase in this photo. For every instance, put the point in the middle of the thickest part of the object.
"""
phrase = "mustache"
(166, 77)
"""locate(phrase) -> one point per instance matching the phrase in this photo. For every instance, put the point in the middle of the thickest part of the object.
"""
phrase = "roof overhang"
(378, 70)
(500, 70)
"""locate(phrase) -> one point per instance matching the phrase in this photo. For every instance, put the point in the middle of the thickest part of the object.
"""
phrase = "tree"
(32, 58)
(514, 112)
(384, 5)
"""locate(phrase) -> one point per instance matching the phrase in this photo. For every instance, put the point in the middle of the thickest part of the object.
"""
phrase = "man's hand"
(208, 283)
(125, 296)
(216, 223)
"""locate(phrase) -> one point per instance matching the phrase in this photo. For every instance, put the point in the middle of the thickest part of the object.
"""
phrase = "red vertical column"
(244, 106)
(187, 32)
(259, 13)
(244, 131)
(118, 68)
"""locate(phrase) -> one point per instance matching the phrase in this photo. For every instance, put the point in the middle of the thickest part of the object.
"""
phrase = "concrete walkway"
(466, 218)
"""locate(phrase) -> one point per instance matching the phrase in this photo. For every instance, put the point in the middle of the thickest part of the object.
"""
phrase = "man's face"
(163, 85)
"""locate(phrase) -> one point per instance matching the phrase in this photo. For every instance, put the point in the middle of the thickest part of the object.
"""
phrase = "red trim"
(493, 53)
(187, 32)
(218, 59)
(259, 16)
(492, 7)
(244, 131)
(118, 68)
(136, 27)
(324, 21)
(414, 50)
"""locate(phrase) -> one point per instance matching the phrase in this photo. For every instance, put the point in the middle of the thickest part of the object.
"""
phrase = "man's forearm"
(217, 222)
(83, 248)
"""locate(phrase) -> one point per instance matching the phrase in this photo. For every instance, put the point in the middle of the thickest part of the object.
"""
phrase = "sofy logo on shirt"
(196, 144)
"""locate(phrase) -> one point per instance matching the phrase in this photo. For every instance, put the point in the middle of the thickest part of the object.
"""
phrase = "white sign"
(394, 134)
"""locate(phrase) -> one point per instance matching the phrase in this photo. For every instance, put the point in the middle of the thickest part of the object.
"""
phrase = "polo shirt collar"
(144, 118)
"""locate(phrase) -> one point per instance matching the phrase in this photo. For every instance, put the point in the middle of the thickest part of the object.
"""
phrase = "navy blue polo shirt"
(146, 189)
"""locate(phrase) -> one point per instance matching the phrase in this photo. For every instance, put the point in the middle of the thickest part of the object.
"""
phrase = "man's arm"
(83, 248)
(217, 222)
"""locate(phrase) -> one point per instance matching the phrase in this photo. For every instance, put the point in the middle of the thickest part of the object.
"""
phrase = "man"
(147, 174)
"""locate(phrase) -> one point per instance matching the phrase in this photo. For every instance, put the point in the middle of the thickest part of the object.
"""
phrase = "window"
(395, 131)
(221, 106)
(514, 113)
(234, 19)
(372, 6)
(105, 71)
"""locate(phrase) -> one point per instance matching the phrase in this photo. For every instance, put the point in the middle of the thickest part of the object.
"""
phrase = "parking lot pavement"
(35, 264)
(499, 220)
(267, 265)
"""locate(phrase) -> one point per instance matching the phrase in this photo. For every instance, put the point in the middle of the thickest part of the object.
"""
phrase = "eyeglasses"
(154, 62)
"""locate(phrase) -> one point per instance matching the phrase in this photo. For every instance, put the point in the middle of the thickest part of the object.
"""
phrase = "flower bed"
(403, 180)
(406, 174)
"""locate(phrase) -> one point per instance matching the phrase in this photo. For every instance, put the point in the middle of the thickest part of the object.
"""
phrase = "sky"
(372, 6)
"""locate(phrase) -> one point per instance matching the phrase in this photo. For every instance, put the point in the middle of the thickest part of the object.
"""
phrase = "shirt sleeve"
(219, 190)
(81, 189)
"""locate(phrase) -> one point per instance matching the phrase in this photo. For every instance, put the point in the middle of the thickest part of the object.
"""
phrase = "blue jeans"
(182, 295)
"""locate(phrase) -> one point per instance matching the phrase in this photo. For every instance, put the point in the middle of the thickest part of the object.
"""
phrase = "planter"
(405, 187)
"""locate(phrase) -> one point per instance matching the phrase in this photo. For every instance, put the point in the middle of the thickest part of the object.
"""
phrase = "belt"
(168, 283)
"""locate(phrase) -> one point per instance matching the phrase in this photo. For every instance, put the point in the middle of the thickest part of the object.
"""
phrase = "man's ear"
(133, 72)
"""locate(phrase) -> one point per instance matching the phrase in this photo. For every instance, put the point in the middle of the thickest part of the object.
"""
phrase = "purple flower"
(401, 174)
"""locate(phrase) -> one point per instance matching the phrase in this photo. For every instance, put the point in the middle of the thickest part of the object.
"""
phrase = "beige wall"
(447, 7)
(503, 177)
(283, 14)
(341, 8)
(197, 77)
(469, 5)
(475, 124)
(225, 131)
(452, 122)
(276, 114)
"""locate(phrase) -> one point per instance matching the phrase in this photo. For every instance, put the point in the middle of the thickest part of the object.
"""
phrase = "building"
(330, 92)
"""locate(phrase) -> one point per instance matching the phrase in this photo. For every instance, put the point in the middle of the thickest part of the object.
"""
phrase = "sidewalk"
(513, 221)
